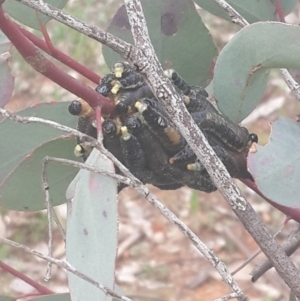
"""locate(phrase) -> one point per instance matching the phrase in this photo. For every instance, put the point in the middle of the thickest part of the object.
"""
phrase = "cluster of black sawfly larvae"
(141, 135)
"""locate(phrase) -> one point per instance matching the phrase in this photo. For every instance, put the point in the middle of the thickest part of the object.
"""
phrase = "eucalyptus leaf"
(180, 39)
(275, 167)
(29, 16)
(243, 66)
(23, 190)
(6, 79)
(288, 5)
(91, 240)
(22, 144)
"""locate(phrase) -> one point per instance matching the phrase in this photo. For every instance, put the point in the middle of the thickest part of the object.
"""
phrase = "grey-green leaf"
(179, 37)
(288, 5)
(275, 167)
(23, 190)
(242, 68)
(24, 143)
(27, 15)
(6, 79)
(91, 242)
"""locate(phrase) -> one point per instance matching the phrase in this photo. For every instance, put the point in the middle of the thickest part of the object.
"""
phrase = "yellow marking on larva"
(116, 87)
(187, 100)
(171, 160)
(173, 135)
(197, 166)
(253, 148)
(118, 70)
(124, 130)
(141, 107)
(82, 149)
(124, 133)
(78, 150)
(191, 166)
(86, 109)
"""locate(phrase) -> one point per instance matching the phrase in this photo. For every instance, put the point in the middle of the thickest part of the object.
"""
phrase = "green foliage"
(242, 68)
(91, 240)
(6, 78)
(21, 167)
(27, 15)
(293, 297)
(180, 39)
(275, 167)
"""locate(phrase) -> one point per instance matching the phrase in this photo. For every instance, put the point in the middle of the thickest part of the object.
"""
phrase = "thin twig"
(146, 60)
(227, 297)
(65, 265)
(120, 46)
(290, 246)
(233, 14)
(137, 184)
(50, 234)
(256, 253)
(84, 166)
(59, 225)
(49, 218)
(291, 83)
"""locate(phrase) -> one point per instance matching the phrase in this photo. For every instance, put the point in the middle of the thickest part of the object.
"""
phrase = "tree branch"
(289, 247)
(138, 185)
(233, 14)
(118, 45)
(65, 265)
(165, 92)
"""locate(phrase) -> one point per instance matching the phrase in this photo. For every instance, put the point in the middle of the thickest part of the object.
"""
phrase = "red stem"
(279, 11)
(99, 124)
(40, 288)
(41, 64)
(60, 56)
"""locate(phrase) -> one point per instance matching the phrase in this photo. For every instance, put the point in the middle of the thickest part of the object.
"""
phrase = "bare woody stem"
(200, 246)
(65, 265)
(164, 91)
